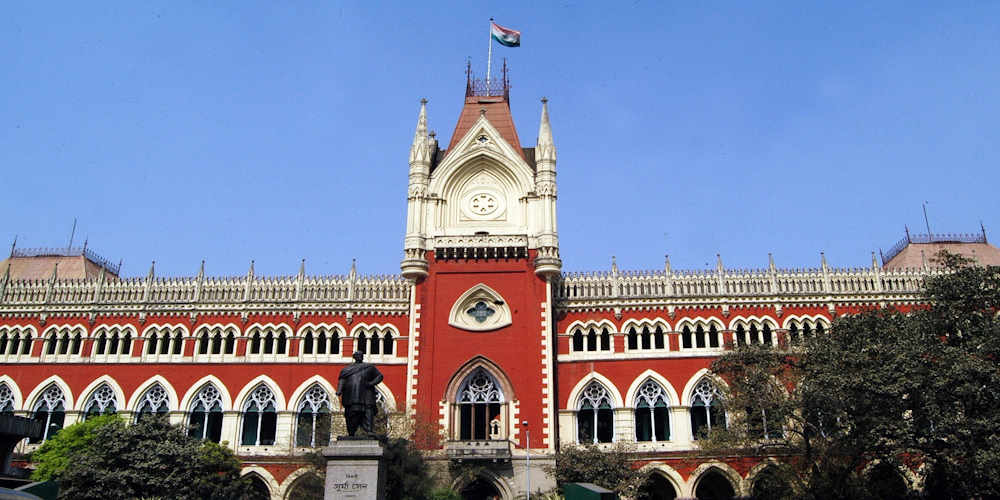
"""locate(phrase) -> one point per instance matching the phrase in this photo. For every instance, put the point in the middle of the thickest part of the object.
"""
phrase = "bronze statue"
(356, 388)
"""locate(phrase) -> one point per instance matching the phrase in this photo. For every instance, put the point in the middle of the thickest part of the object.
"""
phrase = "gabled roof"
(497, 112)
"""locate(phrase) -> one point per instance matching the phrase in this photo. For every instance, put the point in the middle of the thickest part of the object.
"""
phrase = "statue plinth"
(355, 470)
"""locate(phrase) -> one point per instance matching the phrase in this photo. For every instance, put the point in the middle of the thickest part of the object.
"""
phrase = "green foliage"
(54, 456)
(444, 494)
(606, 467)
(407, 475)
(150, 459)
(917, 389)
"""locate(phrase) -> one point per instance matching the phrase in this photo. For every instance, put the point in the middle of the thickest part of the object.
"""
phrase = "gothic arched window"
(652, 413)
(313, 424)
(6, 400)
(479, 402)
(153, 402)
(260, 417)
(707, 410)
(595, 415)
(101, 402)
(205, 421)
(50, 411)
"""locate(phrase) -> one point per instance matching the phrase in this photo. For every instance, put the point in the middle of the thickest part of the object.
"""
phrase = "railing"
(931, 238)
(68, 252)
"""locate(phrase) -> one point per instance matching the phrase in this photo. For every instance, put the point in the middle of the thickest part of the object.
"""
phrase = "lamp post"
(527, 459)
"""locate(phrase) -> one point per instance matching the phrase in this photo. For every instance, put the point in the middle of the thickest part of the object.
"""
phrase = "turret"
(422, 151)
(547, 263)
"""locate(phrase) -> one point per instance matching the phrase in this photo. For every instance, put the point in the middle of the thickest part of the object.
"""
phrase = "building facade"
(490, 352)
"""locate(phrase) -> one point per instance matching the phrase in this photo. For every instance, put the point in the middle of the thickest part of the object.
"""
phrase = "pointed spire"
(718, 262)
(907, 229)
(770, 262)
(201, 270)
(419, 150)
(545, 149)
(666, 263)
(354, 268)
(250, 272)
(983, 229)
(874, 261)
(822, 260)
(13, 246)
(614, 265)
(152, 271)
(923, 259)
(302, 269)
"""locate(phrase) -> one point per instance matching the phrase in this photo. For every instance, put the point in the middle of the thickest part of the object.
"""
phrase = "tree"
(53, 457)
(884, 389)
(606, 467)
(148, 459)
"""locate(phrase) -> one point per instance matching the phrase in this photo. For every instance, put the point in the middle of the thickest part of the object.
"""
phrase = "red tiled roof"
(497, 112)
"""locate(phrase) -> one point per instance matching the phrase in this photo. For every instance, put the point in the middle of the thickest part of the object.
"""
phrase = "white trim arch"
(262, 329)
(497, 319)
(735, 479)
(656, 377)
(748, 320)
(135, 400)
(583, 327)
(271, 483)
(93, 385)
(648, 323)
(574, 394)
(706, 324)
(286, 486)
(388, 399)
(56, 380)
(671, 475)
(71, 329)
(111, 330)
(463, 480)
(227, 401)
(299, 392)
(693, 381)
(279, 396)
(811, 319)
(160, 330)
(329, 329)
(15, 391)
(26, 334)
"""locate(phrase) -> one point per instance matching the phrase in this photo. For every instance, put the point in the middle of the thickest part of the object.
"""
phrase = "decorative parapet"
(352, 293)
(741, 283)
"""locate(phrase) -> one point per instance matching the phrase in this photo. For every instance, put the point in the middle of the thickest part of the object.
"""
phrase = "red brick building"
(482, 338)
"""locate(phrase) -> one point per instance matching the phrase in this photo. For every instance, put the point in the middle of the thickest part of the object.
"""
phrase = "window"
(700, 337)
(595, 416)
(113, 341)
(479, 401)
(153, 402)
(374, 341)
(706, 409)
(17, 341)
(6, 400)
(260, 418)
(205, 420)
(50, 410)
(591, 339)
(645, 338)
(755, 335)
(652, 420)
(268, 340)
(313, 424)
(101, 402)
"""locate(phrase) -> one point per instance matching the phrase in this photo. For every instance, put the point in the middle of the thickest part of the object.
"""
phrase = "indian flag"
(505, 36)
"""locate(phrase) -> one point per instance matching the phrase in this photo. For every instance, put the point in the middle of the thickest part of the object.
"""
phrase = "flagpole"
(489, 59)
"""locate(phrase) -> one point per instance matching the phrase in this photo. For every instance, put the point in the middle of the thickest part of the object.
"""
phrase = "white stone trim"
(574, 394)
(227, 401)
(737, 482)
(279, 396)
(656, 377)
(135, 400)
(15, 392)
(37, 391)
(458, 318)
(103, 379)
(331, 390)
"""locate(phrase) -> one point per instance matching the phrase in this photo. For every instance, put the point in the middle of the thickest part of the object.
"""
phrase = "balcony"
(492, 450)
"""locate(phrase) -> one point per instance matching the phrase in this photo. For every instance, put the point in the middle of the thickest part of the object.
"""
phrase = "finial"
(250, 272)
(13, 246)
(201, 270)
(666, 263)
(718, 262)
(432, 134)
(822, 259)
(302, 268)
(923, 259)
(614, 265)
(545, 100)
(152, 270)
(423, 100)
(55, 271)
(874, 262)
(770, 261)
(482, 111)
(907, 229)
(85, 241)
(983, 229)
(354, 267)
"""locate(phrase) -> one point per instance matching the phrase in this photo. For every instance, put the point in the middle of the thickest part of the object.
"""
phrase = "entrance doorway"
(480, 489)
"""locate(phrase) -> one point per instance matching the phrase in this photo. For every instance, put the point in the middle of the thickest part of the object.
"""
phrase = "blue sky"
(271, 131)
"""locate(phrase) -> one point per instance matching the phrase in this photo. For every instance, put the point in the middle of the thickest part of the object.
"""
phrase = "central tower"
(482, 251)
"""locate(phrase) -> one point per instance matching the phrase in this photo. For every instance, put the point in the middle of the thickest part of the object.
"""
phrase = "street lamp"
(527, 459)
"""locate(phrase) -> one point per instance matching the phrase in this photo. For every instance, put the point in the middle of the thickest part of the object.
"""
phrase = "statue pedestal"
(354, 470)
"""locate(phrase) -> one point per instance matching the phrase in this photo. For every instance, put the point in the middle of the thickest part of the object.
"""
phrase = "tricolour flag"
(506, 37)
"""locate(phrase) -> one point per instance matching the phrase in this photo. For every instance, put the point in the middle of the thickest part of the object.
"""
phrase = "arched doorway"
(885, 482)
(657, 487)
(714, 485)
(258, 488)
(308, 486)
(769, 485)
(480, 489)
